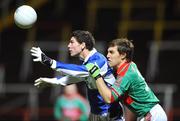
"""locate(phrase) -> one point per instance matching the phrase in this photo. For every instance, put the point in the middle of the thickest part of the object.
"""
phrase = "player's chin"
(72, 54)
(110, 64)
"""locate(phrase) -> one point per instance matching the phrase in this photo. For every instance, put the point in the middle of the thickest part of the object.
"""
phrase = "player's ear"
(83, 45)
(123, 56)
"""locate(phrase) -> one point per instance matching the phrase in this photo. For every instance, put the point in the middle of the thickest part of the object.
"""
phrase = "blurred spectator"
(71, 106)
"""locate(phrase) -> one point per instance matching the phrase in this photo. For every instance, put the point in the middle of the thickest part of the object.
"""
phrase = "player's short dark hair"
(124, 46)
(84, 36)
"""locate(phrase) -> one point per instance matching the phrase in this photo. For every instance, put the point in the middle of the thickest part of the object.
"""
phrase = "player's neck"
(84, 53)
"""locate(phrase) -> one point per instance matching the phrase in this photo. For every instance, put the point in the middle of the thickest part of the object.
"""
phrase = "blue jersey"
(77, 73)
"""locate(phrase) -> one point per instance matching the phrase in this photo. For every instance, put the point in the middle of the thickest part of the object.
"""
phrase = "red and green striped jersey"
(131, 88)
(71, 108)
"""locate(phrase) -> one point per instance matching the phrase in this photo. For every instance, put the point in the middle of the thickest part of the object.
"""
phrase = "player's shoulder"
(98, 58)
(98, 55)
(132, 70)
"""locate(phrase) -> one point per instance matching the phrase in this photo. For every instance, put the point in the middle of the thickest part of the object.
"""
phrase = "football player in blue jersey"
(82, 44)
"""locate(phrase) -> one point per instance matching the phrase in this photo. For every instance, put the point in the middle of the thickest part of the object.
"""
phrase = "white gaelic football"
(25, 16)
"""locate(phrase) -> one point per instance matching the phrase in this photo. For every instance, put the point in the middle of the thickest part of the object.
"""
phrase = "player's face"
(74, 47)
(113, 56)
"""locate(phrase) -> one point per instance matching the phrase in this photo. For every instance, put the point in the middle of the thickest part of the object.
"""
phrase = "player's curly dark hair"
(124, 46)
(84, 36)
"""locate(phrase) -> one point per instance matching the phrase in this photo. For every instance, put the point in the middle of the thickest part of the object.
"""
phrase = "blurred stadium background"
(153, 25)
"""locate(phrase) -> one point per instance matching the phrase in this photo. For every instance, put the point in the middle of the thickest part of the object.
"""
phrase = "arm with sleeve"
(57, 109)
(119, 88)
(70, 69)
(80, 71)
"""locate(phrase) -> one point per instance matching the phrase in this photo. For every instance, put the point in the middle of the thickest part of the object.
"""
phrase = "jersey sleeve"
(66, 80)
(84, 107)
(70, 69)
(119, 88)
(79, 70)
(57, 109)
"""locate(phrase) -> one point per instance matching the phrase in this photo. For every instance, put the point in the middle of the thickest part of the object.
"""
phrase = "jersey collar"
(123, 68)
(90, 54)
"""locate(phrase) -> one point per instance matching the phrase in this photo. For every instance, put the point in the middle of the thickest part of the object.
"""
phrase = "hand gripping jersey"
(76, 73)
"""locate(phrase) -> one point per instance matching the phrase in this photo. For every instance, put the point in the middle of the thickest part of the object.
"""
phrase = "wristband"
(46, 60)
(97, 77)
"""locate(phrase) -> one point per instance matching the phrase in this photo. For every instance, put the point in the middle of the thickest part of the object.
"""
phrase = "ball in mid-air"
(25, 16)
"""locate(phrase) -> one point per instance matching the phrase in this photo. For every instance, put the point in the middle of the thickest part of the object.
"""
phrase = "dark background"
(143, 21)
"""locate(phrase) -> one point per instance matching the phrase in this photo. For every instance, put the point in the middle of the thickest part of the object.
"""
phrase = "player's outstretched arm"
(66, 69)
(39, 56)
(62, 80)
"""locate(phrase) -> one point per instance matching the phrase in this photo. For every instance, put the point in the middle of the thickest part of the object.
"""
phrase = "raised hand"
(40, 56)
(36, 52)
